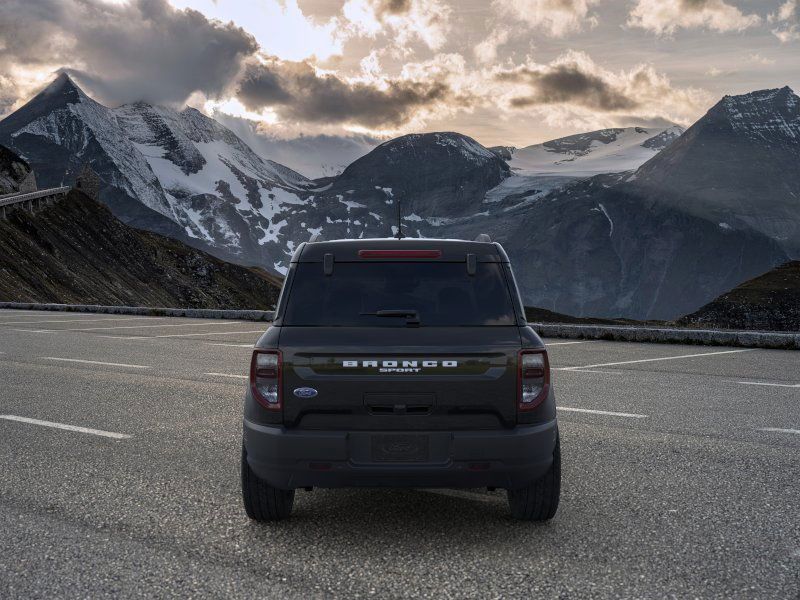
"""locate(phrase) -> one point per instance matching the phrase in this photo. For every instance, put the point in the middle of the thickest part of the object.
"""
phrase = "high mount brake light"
(265, 378)
(399, 253)
(533, 378)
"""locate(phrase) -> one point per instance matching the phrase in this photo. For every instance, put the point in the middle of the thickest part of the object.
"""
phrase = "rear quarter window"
(442, 293)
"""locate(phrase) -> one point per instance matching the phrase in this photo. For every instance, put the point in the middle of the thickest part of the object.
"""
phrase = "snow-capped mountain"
(657, 242)
(718, 206)
(738, 166)
(176, 172)
(593, 153)
(541, 168)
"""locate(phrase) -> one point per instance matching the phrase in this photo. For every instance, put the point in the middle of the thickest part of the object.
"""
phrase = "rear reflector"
(265, 378)
(534, 378)
(399, 253)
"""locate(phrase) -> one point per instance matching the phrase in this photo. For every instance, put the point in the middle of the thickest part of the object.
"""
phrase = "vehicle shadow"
(396, 518)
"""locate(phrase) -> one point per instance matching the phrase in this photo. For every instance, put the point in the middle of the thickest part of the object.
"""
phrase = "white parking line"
(571, 370)
(74, 320)
(227, 375)
(787, 385)
(94, 362)
(142, 326)
(100, 432)
(569, 343)
(602, 412)
(644, 360)
(779, 430)
(229, 345)
(214, 333)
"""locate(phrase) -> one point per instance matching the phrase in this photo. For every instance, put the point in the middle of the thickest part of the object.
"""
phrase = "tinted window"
(441, 293)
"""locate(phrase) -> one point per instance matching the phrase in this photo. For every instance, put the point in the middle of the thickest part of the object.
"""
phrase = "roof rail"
(483, 237)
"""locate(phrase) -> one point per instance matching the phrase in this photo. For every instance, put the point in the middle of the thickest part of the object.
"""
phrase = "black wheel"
(262, 502)
(539, 501)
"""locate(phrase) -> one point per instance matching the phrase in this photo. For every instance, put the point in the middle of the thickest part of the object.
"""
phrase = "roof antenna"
(399, 222)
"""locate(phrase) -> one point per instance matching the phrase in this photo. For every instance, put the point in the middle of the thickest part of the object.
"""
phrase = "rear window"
(442, 294)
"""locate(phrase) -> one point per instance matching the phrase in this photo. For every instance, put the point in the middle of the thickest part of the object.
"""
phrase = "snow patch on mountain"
(593, 153)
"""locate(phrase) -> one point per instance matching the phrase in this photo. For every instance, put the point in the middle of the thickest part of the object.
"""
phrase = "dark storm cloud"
(144, 49)
(567, 83)
(297, 92)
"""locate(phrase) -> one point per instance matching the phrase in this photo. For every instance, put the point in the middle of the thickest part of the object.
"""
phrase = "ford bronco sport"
(400, 362)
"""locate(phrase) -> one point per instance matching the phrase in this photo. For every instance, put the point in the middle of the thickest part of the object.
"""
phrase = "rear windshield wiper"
(412, 316)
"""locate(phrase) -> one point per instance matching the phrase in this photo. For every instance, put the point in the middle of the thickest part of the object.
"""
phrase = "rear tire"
(539, 501)
(263, 502)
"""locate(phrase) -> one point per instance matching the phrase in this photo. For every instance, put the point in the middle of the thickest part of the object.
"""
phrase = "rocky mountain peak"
(62, 90)
(763, 114)
(441, 144)
(420, 156)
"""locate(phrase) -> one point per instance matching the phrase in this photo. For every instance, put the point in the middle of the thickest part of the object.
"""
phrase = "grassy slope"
(770, 301)
(75, 251)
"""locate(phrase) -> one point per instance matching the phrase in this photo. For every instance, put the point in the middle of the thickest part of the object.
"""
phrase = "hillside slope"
(738, 166)
(75, 251)
(770, 301)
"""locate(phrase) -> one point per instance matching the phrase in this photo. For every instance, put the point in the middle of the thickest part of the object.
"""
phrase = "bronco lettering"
(407, 365)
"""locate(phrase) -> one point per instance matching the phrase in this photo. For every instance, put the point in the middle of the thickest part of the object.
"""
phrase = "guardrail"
(197, 313)
(662, 335)
(7, 200)
(672, 335)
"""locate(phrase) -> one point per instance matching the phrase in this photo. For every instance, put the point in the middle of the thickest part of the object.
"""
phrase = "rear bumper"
(291, 459)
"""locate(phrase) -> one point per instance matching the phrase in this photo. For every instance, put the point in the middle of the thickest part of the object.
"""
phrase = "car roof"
(451, 250)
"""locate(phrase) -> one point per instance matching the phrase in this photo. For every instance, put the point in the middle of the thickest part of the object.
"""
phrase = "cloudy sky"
(503, 71)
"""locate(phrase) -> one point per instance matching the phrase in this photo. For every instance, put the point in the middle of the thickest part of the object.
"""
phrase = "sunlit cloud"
(717, 72)
(405, 21)
(757, 59)
(574, 84)
(787, 19)
(665, 17)
(235, 108)
(486, 51)
(298, 91)
(139, 50)
(554, 17)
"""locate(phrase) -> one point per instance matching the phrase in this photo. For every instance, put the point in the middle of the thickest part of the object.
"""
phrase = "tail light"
(265, 378)
(534, 378)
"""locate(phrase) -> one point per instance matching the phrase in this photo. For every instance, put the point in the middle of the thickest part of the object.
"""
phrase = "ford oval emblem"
(305, 392)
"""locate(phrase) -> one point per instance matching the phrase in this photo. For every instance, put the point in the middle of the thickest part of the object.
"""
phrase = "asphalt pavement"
(119, 456)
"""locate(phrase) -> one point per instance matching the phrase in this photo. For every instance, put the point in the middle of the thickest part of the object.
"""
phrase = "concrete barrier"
(668, 335)
(664, 335)
(197, 313)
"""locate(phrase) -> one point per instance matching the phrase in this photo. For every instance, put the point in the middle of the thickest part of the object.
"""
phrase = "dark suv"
(405, 363)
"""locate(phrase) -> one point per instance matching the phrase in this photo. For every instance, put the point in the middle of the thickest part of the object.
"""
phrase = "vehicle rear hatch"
(400, 379)
(407, 339)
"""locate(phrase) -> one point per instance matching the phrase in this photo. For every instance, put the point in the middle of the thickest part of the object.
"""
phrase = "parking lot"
(119, 453)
